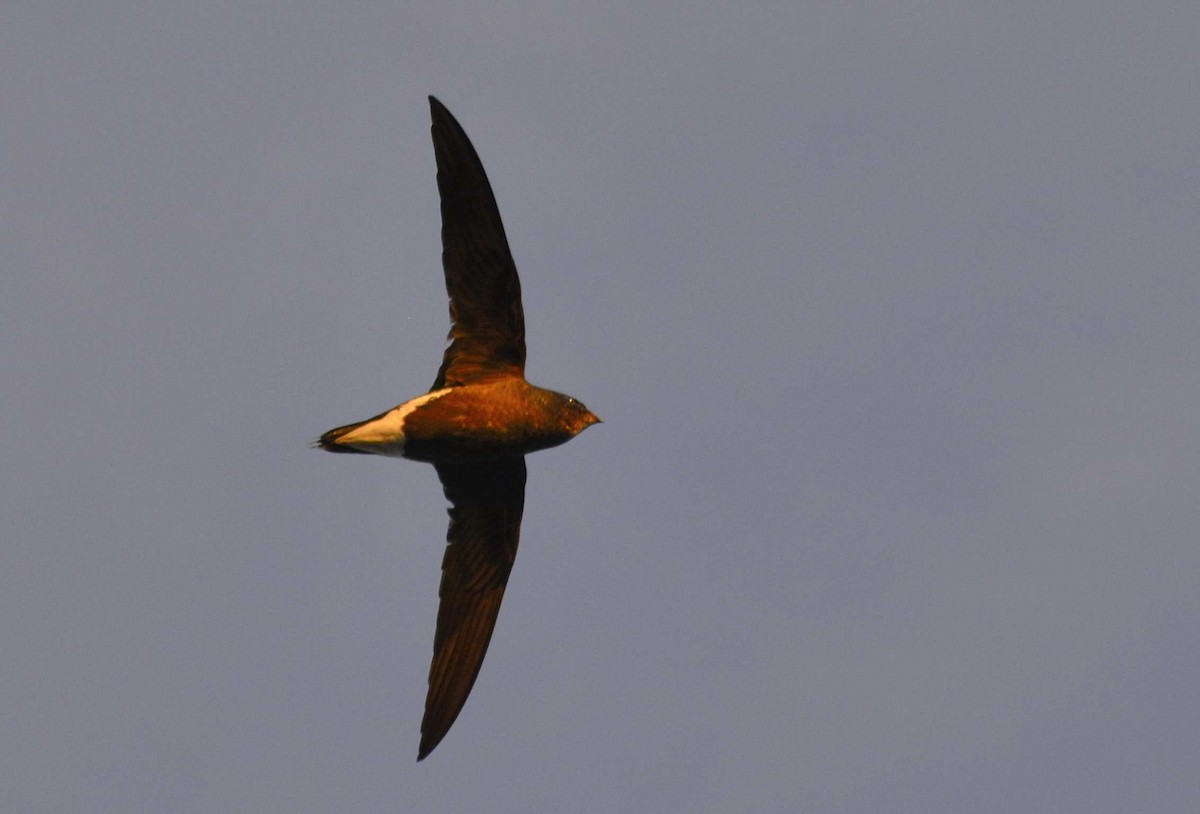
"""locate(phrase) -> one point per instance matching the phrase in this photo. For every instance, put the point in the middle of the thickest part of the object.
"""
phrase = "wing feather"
(487, 330)
(487, 501)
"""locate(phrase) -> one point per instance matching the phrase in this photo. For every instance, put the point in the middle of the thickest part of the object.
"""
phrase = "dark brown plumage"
(486, 503)
(487, 321)
(475, 425)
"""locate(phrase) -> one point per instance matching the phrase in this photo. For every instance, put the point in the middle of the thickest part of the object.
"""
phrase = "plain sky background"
(891, 313)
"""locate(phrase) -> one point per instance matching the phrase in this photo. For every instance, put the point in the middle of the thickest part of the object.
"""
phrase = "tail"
(329, 441)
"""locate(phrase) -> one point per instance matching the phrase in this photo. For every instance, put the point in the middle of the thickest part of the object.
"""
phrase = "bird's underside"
(474, 425)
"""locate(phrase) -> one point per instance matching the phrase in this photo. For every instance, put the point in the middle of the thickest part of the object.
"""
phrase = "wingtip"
(439, 113)
(428, 744)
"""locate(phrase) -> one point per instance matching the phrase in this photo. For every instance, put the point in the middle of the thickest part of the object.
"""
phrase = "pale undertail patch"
(385, 435)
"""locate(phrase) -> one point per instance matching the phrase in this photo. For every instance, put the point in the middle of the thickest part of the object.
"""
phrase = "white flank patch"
(385, 435)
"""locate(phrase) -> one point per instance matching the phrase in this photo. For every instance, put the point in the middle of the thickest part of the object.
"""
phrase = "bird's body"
(475, 425)
(473, 422)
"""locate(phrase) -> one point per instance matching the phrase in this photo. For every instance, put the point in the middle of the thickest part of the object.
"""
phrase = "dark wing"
(487, 323)
(485, 522)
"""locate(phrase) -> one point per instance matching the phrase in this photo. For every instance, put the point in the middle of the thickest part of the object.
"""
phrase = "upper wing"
(487, 323)
(485, 522)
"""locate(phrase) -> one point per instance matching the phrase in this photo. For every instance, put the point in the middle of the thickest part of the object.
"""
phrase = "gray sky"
(890, 311)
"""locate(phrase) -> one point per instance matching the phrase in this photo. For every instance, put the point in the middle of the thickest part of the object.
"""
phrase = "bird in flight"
(475, 425)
